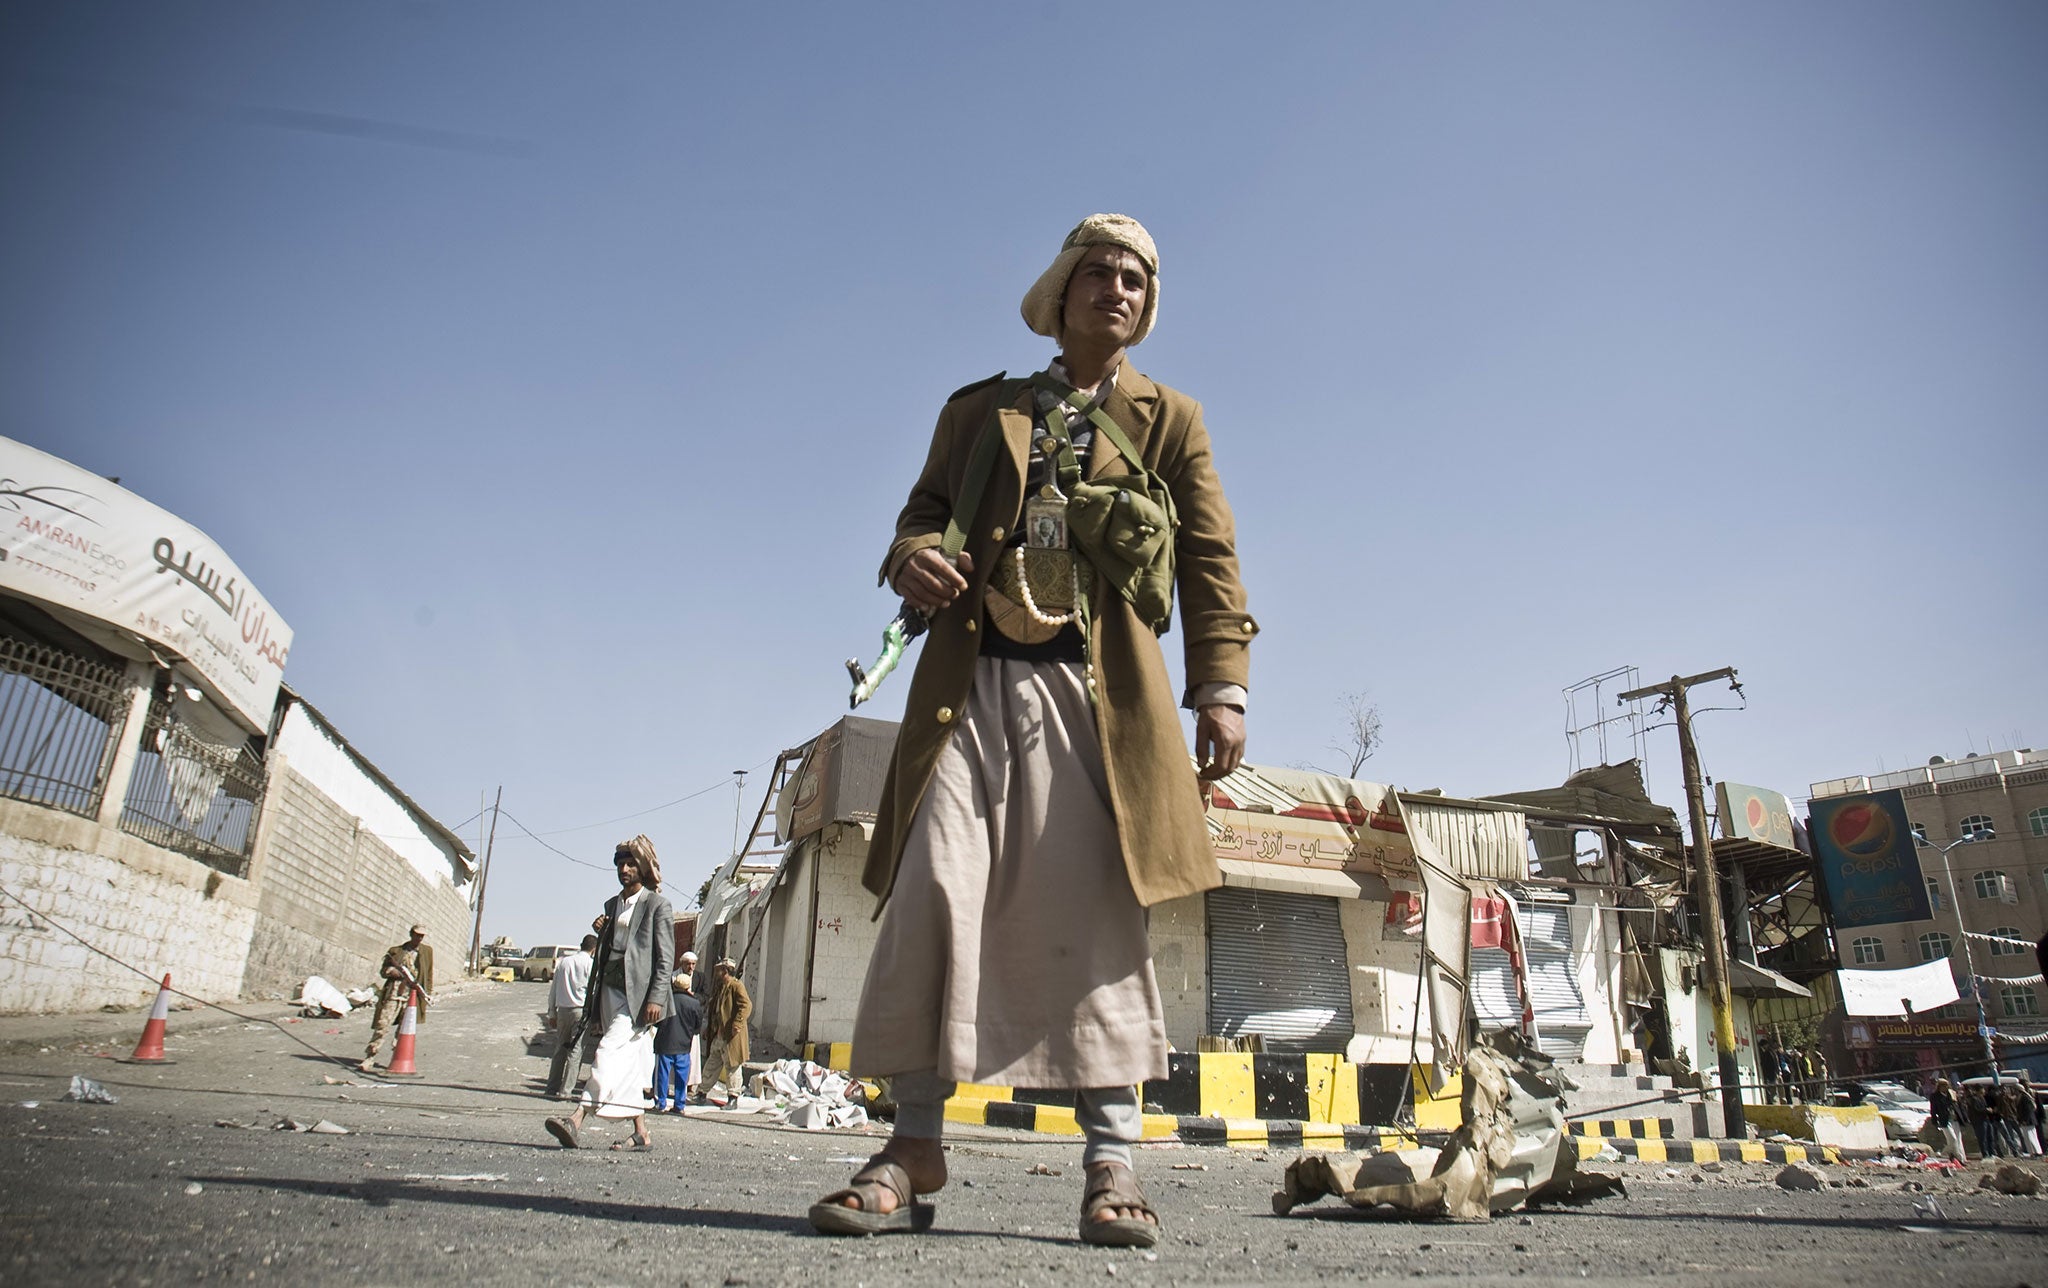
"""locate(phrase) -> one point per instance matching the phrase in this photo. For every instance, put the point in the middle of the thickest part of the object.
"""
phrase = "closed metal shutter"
(1278, 968)
(1561, 1019)
(1495, 998)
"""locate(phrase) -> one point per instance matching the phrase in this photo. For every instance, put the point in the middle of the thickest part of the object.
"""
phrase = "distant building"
(2001, 891)
(167, 803)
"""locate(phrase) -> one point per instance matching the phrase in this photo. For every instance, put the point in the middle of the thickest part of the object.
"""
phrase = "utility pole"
(1709, 882)
(483, 879)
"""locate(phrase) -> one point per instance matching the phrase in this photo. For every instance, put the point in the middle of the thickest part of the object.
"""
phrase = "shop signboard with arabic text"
(1863, 846)
(130, 574)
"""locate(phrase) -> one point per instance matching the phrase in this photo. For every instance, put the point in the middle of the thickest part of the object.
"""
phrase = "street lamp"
(1983, 833)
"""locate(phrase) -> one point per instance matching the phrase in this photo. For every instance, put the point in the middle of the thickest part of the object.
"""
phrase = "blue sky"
(557, 373)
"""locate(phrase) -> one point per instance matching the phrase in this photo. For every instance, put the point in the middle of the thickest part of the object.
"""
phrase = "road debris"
(86, 1091)
(2011, 1178)
(1510, 1149)
(195, 1187)
(465, 1176)
(1040, 1169)
(806, 1095)
(1929, 1209)
(1800, 1176)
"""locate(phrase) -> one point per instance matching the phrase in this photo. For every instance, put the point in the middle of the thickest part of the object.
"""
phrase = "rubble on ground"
(2011, 1178)
(1801, 1176)
(1511, 1149)
(806, 1095)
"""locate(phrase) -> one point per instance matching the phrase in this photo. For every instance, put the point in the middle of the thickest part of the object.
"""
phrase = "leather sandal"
(830, 1215)
(1115, 1185)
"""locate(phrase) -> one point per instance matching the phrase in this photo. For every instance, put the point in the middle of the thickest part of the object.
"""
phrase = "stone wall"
(332, 896)
(154, 909)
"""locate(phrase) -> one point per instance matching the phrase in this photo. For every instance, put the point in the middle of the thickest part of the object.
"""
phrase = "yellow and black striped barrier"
(1317, 1100)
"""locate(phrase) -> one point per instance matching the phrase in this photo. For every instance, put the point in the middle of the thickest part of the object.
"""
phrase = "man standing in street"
(730, 1009)
(405, 965)
(1041, 797)
(565, 1013)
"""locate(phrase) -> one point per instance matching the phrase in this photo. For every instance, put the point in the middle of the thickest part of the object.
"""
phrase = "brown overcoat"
(1152, 781)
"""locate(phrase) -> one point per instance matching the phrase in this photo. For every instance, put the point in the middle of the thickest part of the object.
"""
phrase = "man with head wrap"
(1041, 796)
(628, 993)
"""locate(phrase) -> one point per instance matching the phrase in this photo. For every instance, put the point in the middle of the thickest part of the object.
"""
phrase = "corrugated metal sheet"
(1277, 967)
(1488, 843)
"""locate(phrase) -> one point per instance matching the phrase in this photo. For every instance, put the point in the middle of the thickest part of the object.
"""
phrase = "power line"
(702, 791)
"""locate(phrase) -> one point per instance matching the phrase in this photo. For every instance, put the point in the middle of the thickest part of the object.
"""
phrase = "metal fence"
(59, 713)
(194, 795)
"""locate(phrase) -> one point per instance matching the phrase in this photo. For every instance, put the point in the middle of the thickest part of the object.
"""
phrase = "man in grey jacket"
(636, 956)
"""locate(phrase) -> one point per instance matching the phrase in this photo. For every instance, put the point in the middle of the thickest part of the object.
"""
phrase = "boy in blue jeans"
(685, 1019)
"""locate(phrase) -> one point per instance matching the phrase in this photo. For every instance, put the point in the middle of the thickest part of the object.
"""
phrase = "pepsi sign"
(1863, 847)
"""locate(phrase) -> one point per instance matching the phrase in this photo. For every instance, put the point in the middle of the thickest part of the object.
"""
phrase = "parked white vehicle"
(539, 962)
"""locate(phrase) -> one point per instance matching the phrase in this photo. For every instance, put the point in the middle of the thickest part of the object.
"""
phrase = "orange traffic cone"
(150, 1050)
(408, 1026)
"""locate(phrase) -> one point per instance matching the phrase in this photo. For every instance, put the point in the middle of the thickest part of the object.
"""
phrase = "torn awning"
(1251, 874)
(1761, 981)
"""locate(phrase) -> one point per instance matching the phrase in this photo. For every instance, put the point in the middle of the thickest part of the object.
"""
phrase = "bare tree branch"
(1361, 733)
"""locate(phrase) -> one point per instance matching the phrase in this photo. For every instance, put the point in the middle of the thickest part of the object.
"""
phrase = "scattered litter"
(1040, 1169)
(466, 1176)
(836, 1158)
(1671, 1174)
(1187, 1167)
(229, 1122)
(195, 1188)
(333, 1081)
(1929, 1208)
(325, 1128)
(2011, 1178)
(424, 1114)
(89, 1092)
(1607, 1154)
(31, 1104)
(1799, 1176)
(102, 1131)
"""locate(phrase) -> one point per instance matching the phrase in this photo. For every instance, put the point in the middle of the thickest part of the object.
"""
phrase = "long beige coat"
(1152, 785)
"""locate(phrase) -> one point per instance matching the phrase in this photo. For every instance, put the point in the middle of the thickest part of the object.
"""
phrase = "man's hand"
(650, 1015)
(927, 582)
(1219, 740)
(599, 922)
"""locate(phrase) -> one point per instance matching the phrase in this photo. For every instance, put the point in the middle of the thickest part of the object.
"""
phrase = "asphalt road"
(451, 1178)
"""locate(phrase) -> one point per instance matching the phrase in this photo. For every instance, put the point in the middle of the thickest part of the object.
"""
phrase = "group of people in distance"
(2007, 1118)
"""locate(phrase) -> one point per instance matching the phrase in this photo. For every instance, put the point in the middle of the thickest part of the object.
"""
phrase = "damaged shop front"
(1314, 944)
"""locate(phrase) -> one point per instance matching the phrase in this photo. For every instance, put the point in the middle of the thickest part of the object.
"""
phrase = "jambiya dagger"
(907, 625)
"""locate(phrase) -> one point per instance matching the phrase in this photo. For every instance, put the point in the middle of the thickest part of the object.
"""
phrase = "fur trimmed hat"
(1045, 301)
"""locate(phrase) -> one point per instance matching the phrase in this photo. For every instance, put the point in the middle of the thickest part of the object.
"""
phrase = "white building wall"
(1179, 934)
(326, 764)
(846, 931)
(151, 908)
(1384, 1000)
(1596, 955)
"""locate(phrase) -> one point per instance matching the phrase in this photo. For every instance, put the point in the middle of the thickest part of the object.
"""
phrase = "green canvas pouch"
(1125, 525)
